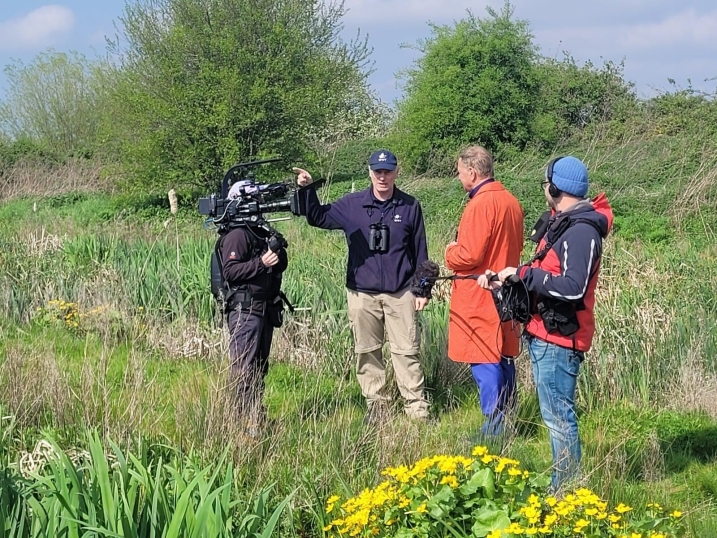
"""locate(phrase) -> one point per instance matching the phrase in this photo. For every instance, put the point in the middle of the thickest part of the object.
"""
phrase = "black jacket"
(369, 271)
(241, 250)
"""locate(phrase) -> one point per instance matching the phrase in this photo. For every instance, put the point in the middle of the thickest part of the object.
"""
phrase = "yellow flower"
(422, 509)
(622, 508)
(496, 533)
(551, 501)
(448, 465)
(591, 511)
(614, 518)
(515, 528)
(480, 451)
(550, 519)
(450, 480)
(676, 514)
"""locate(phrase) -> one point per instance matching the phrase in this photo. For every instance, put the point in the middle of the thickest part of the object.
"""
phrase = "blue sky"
(659, 39)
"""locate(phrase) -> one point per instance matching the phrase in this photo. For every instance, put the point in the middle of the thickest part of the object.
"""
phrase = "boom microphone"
(424, 278)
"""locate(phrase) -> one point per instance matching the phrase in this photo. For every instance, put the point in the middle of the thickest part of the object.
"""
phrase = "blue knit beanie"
(570, 175)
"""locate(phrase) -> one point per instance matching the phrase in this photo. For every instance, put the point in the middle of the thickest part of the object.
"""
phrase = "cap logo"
(382, 157)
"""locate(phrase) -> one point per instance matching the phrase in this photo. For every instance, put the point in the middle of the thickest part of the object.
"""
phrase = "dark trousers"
(496, 385)
(250, 336)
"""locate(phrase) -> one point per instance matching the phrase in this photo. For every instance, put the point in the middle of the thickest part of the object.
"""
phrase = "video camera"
(243, 202)
(250, 199)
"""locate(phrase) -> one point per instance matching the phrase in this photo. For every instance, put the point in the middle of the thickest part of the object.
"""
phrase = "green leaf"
(271, 524)
(488, 520)
(440, 504)
(483, 479)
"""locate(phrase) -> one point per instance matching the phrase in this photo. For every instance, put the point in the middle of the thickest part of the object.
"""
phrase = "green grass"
(151, 367)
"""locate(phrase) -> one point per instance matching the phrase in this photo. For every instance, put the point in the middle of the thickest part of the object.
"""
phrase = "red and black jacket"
(569, 270)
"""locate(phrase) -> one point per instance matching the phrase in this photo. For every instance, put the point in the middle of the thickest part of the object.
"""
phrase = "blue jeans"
(555, 370)
(496, 386)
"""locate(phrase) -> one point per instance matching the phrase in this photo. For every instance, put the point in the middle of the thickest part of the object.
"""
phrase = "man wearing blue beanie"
(570, 176)
(561, 278)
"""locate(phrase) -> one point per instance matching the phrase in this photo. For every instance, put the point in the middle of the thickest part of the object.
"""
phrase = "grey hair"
(478, 158)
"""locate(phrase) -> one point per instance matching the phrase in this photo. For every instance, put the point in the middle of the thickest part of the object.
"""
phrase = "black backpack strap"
(284, 298)
(562, 227)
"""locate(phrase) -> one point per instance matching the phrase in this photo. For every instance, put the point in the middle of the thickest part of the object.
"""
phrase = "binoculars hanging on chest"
(378, 237)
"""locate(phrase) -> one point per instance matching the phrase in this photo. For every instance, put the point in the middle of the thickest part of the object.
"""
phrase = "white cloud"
(686, 27)
(39, 28)
(404, 12)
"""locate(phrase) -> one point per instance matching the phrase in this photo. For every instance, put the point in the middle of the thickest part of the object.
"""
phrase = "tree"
(574, 96)
(52, 102)
(202, 84)
(475, 82)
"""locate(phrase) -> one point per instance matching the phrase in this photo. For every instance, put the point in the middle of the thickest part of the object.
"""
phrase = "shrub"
(485, 496)
(205, 84)
(475, 82)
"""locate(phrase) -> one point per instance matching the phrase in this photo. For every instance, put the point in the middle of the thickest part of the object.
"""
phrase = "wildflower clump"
(484, 496)
(67, 314)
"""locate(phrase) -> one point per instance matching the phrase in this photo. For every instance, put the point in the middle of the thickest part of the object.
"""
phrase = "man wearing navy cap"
(386, 243)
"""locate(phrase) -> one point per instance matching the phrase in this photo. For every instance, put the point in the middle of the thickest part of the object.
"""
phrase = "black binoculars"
(378, 237)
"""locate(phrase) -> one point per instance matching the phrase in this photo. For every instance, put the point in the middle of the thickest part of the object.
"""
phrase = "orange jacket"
(490, 236)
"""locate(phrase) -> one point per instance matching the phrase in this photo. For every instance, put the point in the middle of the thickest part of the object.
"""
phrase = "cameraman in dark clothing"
(253, 274)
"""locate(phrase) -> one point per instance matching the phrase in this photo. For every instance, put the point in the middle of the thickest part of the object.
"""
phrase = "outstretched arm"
(326, 216)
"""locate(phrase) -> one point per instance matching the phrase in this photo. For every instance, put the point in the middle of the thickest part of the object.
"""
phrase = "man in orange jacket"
(490, 234)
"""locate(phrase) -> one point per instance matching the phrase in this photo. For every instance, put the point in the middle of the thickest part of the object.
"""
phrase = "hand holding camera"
(270, 258)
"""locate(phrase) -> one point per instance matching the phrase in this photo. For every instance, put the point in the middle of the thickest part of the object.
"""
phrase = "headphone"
(553, 190)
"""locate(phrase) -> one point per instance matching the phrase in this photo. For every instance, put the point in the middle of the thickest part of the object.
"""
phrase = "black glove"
(424, 278)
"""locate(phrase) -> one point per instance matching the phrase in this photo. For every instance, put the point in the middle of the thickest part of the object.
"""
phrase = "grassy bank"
(109, 326)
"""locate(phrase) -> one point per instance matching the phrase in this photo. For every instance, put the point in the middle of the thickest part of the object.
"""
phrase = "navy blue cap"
(382, 159)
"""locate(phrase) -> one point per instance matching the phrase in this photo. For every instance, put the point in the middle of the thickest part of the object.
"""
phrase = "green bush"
(205, 84)
(113, 493)
(475, 83)
(54, 102)
(573, 97)
(25, 149)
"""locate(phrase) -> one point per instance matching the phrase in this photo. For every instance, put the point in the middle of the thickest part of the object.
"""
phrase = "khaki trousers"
(372, 315)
